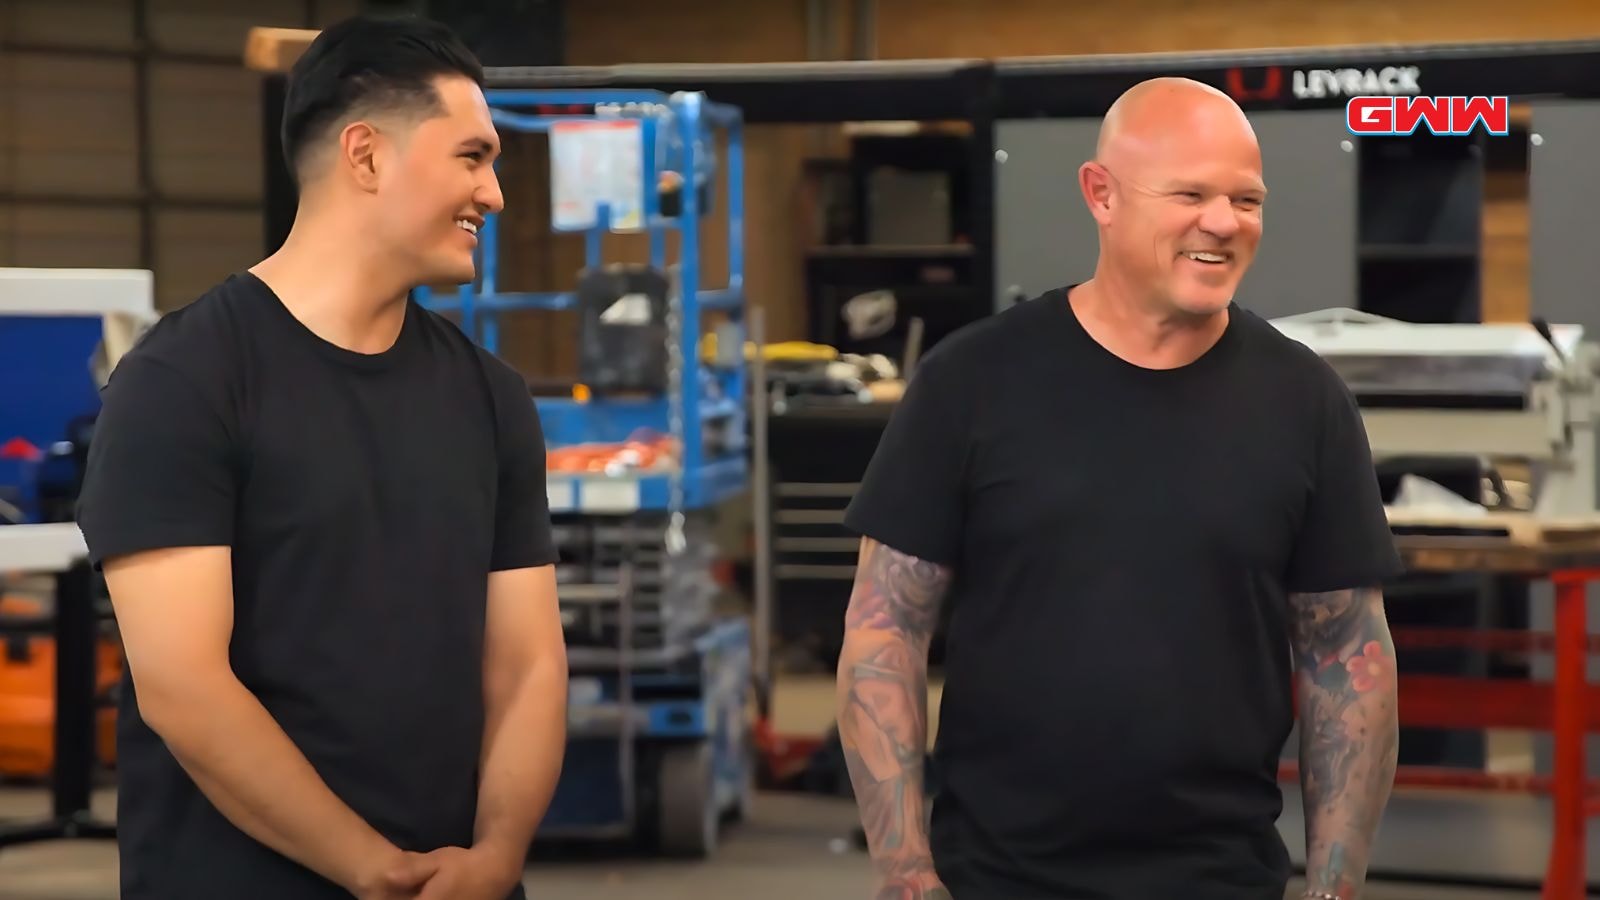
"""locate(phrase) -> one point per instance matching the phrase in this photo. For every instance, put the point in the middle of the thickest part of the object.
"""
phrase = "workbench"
(59, 548)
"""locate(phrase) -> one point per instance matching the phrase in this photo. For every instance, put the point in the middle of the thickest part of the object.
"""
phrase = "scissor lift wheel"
(689, 821)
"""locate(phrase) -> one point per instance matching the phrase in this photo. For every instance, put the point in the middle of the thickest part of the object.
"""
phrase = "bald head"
(1154, 115)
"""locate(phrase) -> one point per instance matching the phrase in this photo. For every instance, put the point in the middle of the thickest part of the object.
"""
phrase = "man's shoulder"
(500, 375)
(200, 341)
(507, 388)
(1277, 349)
(1296, 379)
(986, 341)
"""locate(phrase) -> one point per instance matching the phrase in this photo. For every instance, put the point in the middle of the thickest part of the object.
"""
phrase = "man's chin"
(453, 277)
(1202, 302)
(1207, 303)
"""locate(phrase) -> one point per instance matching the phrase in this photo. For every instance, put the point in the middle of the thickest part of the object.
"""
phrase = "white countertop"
(51, 547)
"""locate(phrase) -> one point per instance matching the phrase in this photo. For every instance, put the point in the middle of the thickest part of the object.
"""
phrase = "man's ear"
(358, 153)
(1095, 183)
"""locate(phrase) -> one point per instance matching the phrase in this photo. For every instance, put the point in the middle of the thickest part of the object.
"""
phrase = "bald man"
(1153, 519)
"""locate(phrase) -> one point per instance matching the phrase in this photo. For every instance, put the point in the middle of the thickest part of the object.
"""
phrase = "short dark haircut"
(369, 63)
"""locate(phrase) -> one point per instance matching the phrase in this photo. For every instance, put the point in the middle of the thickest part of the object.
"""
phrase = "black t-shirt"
(366, 498)
(1117, 672)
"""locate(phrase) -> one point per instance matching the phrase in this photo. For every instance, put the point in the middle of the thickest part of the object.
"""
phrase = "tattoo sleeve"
(883, 718)
(1349, 730)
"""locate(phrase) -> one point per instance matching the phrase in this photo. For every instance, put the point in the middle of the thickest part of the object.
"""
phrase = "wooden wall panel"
(69, 126)
(69, 135)
(205, 132)
(195, 249)
(58, 235)
(607, 32)
(1506, 285)
(220, 26)
(912, 29)
(91, 23)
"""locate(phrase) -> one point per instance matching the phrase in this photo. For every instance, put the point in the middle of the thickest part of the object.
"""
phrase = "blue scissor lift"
(659, 742)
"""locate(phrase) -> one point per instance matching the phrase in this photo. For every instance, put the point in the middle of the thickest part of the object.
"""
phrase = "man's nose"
(489, 195)
(1219, 217)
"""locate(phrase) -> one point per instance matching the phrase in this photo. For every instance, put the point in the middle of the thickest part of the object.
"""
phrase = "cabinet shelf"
(1419, 228)
(1402, 252)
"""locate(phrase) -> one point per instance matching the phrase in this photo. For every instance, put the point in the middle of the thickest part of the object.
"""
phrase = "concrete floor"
(794, 848)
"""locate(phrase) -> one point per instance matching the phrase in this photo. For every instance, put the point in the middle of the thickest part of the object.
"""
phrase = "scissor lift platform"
(659, 748)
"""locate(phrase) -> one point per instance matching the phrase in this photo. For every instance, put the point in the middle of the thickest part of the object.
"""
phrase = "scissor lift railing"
(678, 134)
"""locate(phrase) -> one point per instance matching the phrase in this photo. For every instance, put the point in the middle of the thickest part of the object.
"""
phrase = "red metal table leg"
(1566, 877)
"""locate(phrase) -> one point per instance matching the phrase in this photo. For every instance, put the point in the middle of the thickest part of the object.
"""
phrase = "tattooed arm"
(883, 717)
(1349, 731)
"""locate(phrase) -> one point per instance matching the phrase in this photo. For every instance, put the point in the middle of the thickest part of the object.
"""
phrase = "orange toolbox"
(27, 691)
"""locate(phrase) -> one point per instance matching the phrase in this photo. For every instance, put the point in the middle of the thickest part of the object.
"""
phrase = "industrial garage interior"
(808, 197)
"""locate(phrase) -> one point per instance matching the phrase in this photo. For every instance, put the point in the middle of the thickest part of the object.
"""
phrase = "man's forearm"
(1349, 732)
(885, 738)
(255, 776)
(883, 723)
(525, 738)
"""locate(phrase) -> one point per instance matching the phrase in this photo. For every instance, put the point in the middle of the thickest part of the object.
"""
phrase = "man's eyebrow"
(1197, 187)
(477, 143)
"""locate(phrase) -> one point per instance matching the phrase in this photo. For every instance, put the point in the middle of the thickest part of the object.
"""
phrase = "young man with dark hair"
(321, 514)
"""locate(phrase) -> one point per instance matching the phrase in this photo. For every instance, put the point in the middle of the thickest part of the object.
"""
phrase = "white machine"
(123, 300)
(1494, 392)
(62, 331)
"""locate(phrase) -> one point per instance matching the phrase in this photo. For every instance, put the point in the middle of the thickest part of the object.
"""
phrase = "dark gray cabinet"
(1564, 270)
(1306, 260)
(1043, 235)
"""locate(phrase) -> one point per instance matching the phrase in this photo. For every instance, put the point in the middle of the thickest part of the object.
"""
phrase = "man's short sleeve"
(1344, 540)
(522, 532)
(912, 495)
(161, 465)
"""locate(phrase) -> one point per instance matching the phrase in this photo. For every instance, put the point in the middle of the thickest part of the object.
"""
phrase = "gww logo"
(1375, 116)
